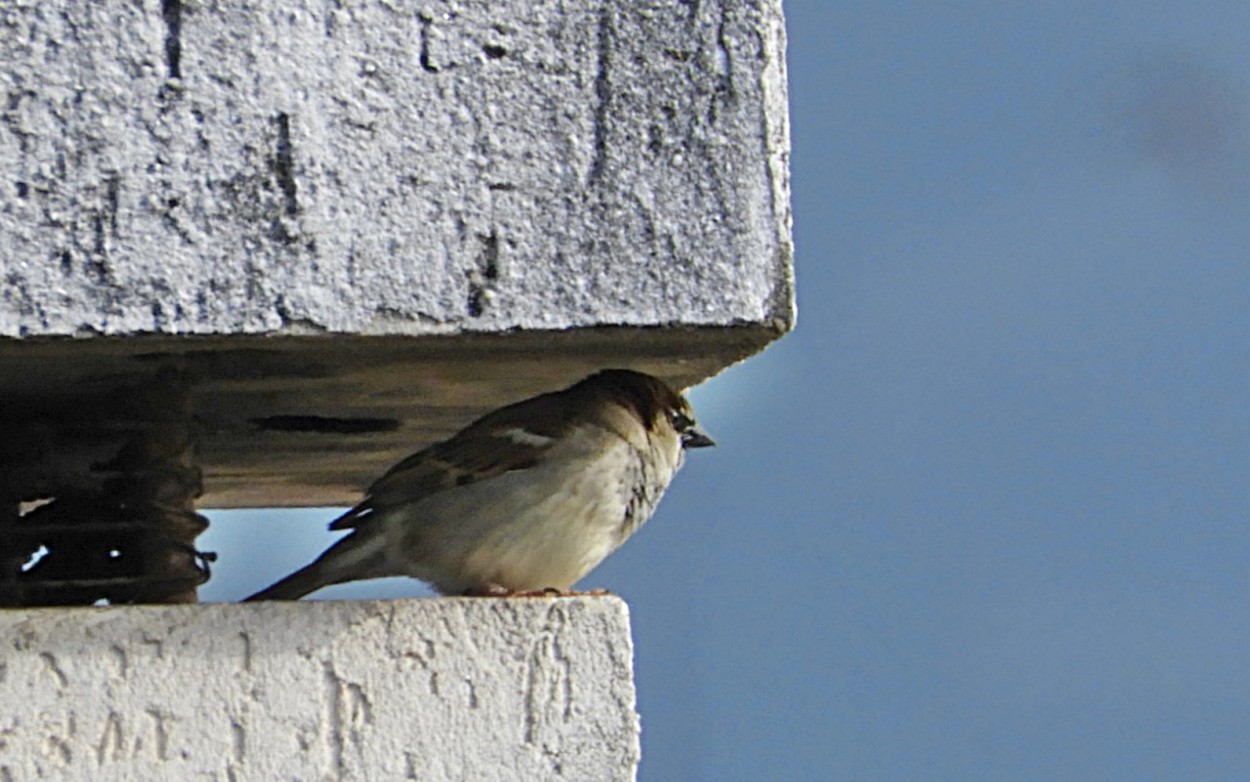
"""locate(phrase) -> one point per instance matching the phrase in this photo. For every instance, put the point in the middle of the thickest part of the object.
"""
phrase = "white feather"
(523, 437)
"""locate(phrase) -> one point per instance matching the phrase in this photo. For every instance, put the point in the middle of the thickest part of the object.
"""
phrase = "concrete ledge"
(296, 167)
(448, 689)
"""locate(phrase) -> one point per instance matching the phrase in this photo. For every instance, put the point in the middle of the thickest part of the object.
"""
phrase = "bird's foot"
(487, 590)
(495, 590)
(553, 592)
(547, 592)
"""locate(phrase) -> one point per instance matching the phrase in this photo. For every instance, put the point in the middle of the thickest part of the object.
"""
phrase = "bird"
(525, 500)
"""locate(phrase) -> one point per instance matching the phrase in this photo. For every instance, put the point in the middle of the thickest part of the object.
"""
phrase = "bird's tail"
(358, 556)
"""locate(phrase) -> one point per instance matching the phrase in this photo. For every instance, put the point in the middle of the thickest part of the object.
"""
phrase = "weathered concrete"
(352, 227)
(449, 689)
(367, 167)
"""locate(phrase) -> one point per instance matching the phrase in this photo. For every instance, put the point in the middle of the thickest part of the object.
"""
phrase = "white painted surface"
(372, 168)
(447, 689)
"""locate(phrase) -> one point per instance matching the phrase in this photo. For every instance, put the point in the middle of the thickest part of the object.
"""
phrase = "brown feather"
(478, 452)
(483, 450)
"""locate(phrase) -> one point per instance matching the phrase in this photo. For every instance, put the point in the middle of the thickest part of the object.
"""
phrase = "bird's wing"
(511, 438)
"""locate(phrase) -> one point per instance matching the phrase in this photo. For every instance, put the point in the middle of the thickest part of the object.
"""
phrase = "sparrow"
(527, 498)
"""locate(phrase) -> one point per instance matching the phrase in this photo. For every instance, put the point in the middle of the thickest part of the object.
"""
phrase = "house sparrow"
(530, 497)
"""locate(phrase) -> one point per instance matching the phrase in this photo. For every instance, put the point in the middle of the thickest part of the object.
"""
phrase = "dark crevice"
(494, 51)
(602, 96)
(98, 268)
(112, 187)
(171, 10)
(424, 56)
(726, 87)
(490, 256)
(105, 219)
(487, 271)
(324, 425)
(284, 165)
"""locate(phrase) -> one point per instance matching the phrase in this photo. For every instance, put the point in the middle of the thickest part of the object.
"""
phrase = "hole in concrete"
(321, 424)
(171, 11)
(283, 164)
(479, 297)
(427, 64)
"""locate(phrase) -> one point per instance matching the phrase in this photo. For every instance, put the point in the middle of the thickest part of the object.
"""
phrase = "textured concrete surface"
(366, 167)
(524, 689)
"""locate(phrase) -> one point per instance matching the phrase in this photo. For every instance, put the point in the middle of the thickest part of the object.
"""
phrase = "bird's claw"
(495, 590)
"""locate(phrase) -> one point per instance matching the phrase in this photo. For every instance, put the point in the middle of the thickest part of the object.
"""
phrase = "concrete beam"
(448, 689)
(381, 168)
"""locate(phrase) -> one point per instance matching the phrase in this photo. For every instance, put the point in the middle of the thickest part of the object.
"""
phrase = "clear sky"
(983, 516)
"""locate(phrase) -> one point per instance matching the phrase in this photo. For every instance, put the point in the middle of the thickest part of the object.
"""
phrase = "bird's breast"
(544, 526)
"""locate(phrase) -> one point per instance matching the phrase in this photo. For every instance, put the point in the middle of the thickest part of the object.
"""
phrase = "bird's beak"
(694, 437)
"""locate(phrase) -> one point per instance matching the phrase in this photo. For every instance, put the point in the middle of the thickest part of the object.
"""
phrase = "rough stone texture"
(369, 167)
(450, 689)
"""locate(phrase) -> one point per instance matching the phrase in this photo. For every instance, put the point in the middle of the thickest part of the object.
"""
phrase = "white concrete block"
(298, 166)
(448, 689)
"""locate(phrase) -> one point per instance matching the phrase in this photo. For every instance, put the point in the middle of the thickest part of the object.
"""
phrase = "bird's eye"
(681, 421)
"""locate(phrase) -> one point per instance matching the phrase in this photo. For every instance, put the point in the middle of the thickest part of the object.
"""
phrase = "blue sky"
(984, 514)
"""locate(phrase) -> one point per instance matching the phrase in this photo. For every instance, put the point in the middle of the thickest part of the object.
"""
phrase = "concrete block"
(448, 689)
(295, 167)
